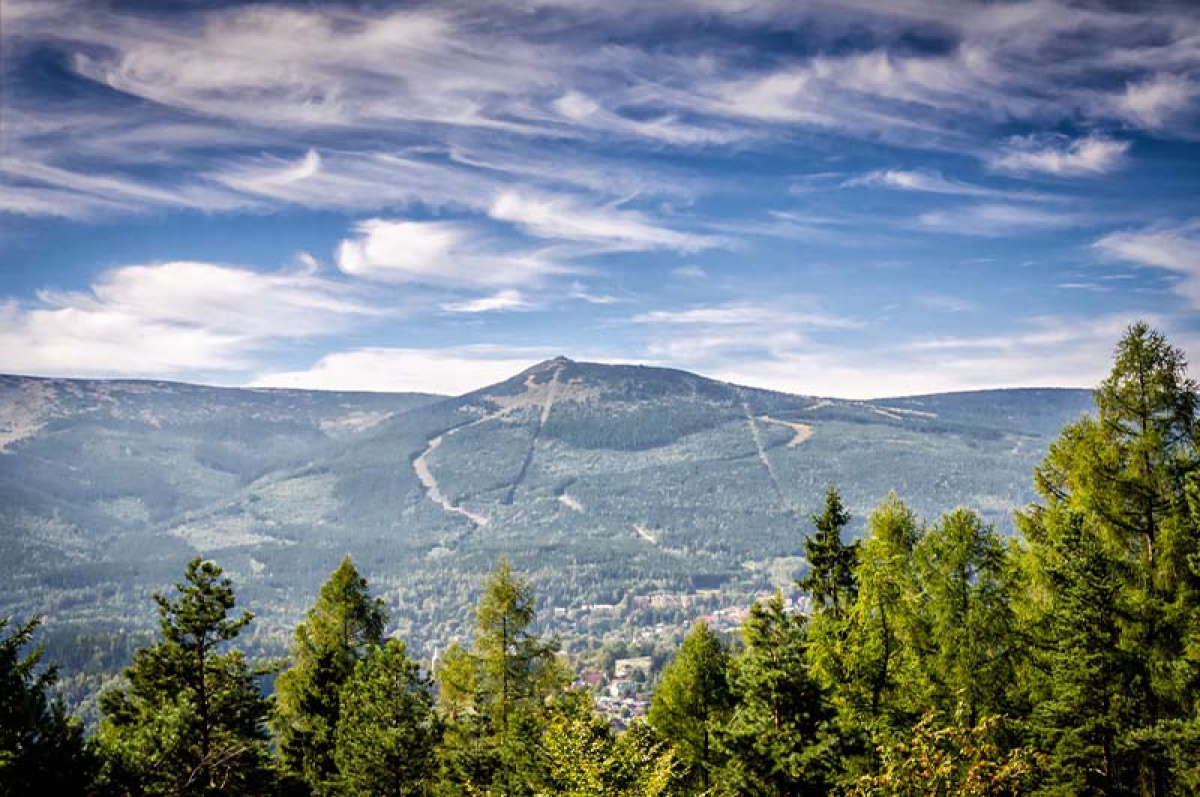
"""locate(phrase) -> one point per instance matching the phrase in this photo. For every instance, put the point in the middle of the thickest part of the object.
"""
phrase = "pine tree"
(191, 720)
(779, 740)
(692, 703)
(41, 747)
(339, 629)
(387, 733)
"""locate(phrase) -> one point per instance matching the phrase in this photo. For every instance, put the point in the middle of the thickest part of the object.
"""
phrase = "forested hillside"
(934, 658)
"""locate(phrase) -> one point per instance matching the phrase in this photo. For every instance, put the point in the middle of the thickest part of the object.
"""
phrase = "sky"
(851, 198)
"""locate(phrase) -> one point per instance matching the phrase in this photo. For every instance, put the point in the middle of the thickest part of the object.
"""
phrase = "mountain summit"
(602, 481)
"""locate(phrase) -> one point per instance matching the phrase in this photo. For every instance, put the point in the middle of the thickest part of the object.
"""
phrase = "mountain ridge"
(603, 482)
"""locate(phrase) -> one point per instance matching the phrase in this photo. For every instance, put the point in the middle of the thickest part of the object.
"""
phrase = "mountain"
(605, 483)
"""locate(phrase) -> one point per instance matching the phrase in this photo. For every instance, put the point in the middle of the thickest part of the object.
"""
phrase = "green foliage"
(692, 703)
(191, 720)
(41, 747)
(830, 580)
(387, 735)
(882, 634)
(587, 760)
(779, 740)
(966, 585)
(339, 629)
(955, 760)
(498, 697)
(1112, 562)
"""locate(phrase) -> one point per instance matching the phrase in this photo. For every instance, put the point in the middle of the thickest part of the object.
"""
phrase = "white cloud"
(997, 219)
(692, 272)
(1176, 249)
(437, 252)
(1090, 155)
(1048, 352)
(564, 218)
(1157, 100)
(932, 182)
(503, 300)
(451, 370)
(170, 319)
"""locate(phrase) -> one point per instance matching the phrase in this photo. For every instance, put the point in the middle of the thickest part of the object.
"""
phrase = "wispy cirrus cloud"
(564, 218)
(1173, 248)
(1058, 155)
(998, 219)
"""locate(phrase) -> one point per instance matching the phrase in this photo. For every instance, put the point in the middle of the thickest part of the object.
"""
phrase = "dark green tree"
(41, 747)
(692, 704)
(779, 740)
(191, 720)
(388, 733)
(340, 628)
(830, 580)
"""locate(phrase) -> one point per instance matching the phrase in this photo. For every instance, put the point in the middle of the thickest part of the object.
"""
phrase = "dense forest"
(938, 658)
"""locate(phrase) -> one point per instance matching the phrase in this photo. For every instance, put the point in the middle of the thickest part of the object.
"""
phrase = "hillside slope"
(603, 482)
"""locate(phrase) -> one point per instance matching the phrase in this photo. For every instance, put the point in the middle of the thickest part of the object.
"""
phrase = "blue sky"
(823, 197)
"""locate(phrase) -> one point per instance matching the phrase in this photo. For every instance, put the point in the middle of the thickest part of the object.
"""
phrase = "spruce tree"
(779, 740)
(692, 703)
(387, 733)
(830, 580)
(339, 629)
(191, 720)
(41, 747)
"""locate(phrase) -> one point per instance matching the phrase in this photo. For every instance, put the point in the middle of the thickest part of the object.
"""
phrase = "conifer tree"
(778, 740)
(387, 733)
(41, 747)
(492, 745)
(830, 580)
(340, 628)
(967, 584)
(692, 703)
(882, 631)
(1119, 480)
(191, 720)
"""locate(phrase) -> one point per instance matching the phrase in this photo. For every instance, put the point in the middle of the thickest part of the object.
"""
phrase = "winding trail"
(800, 431)
(537, 433)
(430, 484)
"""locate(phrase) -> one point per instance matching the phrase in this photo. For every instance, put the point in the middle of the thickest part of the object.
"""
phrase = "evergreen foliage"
(339, 629)
(191, 720)
(779, 739)
(387, 734)
(692, 703)
(41, 747)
